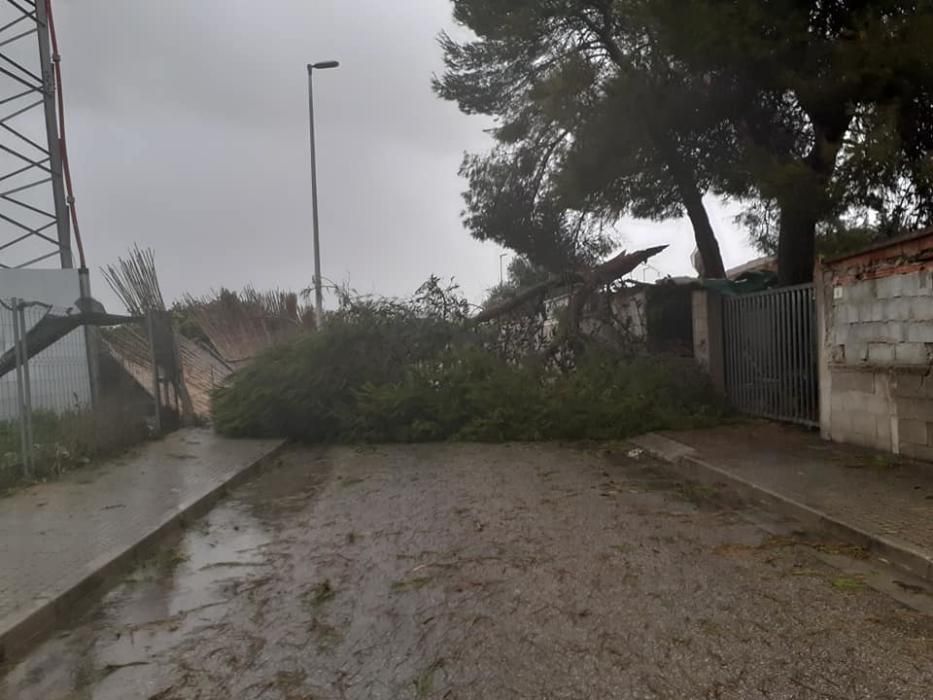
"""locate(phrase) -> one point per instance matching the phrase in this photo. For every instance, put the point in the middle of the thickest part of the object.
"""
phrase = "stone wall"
(876, 321)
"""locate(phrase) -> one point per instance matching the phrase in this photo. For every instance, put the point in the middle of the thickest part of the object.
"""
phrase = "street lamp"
(318, 292)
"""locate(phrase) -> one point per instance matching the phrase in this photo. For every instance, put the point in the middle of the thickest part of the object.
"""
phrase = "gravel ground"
(470, 571)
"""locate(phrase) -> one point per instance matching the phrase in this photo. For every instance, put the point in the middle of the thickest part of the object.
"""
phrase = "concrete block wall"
(707, 335)
(882, 322)
(877, 351)
(654, 317)
(630, 309)
(913, 419)
(861, 409)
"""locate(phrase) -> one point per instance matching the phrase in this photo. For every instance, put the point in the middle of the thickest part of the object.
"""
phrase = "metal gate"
(771, 354)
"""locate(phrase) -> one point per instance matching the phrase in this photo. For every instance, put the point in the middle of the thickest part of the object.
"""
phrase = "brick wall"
(877, 368)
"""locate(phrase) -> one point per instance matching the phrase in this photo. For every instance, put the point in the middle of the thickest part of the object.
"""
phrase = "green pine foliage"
(822, 111)
(392, 372)
(471, 395)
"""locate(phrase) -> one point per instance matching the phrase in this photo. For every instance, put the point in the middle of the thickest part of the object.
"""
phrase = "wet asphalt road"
(465, 571)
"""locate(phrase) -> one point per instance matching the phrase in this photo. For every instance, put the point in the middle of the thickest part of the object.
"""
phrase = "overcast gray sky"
(188, 134)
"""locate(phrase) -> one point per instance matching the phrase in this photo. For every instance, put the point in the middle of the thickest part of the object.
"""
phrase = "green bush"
(308, 388)
(471, 395)
(397, 377)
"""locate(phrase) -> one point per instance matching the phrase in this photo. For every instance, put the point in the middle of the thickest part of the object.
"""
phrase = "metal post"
(51, 127)
(27, 386)
(150, 328)
(91, 340)
(318, 291)
(20, 397)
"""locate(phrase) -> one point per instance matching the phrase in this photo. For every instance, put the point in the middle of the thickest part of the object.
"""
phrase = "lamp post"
(318, 292)
(501, 274)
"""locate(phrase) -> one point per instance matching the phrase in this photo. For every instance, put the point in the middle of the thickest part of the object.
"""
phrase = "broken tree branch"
(593, 278)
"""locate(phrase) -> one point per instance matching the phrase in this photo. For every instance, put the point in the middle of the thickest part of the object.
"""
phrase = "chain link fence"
(59, 376)
(62, 402)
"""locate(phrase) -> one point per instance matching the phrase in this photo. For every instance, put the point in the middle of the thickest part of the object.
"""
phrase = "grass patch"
(731, 549)
(845, 583)
(67, 441)
(160, 564)
(327, 635)
(775, 542)
(876, 462)
(424, 681)
(320, 594)
(314, 600)
(412, 584)
(170, 559)
(852, 551)
(696, 493)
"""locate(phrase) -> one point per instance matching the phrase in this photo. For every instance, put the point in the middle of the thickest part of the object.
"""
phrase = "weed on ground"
(320, 594)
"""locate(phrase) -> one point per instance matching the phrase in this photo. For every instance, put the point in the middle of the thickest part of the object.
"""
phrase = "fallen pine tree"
(386, 370)
(589, 280)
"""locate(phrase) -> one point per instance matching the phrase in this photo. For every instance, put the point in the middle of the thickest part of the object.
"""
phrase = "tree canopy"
(829, 103)
(586, 130)
(816, 110)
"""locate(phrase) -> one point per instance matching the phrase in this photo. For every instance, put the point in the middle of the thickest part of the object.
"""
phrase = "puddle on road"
(115, 651)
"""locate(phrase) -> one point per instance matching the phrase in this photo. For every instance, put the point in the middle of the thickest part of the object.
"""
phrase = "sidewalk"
(876, 500)
(62, 541)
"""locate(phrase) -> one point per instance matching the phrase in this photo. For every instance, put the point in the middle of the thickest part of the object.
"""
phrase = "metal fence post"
(20, 402)
(22, 387)
(27, 385)
(150, 328)
(91, 341)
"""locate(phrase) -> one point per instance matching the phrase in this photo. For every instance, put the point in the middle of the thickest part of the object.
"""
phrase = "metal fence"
(59, 375)
(63, 398)
(54, 382)
(770, 343)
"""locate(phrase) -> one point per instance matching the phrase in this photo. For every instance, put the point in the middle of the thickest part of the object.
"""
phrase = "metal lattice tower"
(34, 223)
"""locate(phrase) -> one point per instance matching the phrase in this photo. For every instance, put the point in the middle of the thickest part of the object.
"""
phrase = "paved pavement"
(475, 571)
(885, 497)
(55, 537)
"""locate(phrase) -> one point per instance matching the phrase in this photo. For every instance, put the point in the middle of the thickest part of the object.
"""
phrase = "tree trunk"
(796, 245)
(713, 267)
(685, 180)
(808, 202)
(602, 274)
(684, 175)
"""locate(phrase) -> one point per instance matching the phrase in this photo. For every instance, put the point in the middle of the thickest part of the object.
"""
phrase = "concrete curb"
(690, 465)
(23, 629)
